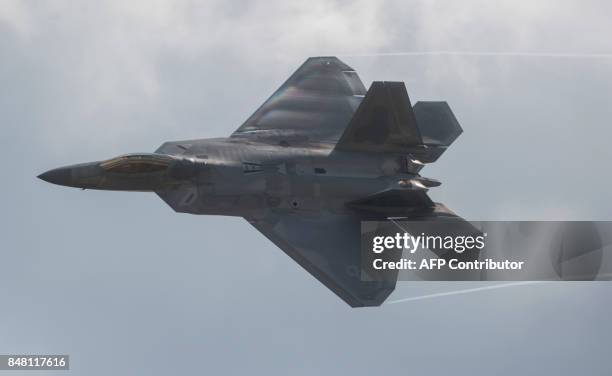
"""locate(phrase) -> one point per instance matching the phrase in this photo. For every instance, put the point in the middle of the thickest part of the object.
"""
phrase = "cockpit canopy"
(137, 163)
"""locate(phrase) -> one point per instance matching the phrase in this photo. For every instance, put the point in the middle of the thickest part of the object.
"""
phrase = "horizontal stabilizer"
(437, 123)
(386, 122)
(394, 202)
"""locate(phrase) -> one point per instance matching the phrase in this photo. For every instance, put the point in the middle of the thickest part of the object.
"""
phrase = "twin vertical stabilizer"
(386, 122)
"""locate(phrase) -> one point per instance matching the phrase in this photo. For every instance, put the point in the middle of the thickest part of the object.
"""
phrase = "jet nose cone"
(60, 176)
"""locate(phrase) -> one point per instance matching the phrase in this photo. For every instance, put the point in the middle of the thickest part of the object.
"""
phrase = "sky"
(126, 286)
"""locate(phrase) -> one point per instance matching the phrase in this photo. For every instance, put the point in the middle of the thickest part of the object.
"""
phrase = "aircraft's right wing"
(328, 246)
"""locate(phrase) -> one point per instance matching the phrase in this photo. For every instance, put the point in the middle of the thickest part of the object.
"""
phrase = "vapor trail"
(466, 291)
(561, 55)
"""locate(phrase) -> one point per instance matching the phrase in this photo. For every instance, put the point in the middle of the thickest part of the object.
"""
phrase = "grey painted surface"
(317, 158)
(149, 288)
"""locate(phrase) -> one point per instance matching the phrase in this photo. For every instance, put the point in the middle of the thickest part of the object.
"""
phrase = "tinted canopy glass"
(137, 163)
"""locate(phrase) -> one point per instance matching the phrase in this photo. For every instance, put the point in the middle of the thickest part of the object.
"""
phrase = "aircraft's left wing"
(328, 247)
(314, 105)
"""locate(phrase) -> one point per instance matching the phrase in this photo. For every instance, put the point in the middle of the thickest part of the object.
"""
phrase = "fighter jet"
(320, 156)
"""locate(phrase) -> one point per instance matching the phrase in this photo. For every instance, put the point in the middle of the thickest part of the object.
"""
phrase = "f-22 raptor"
(320, 156)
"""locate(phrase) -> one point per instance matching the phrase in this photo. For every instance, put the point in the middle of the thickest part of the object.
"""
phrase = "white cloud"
(101, 63)
(15, 15)
(103, 59)
(118, 43)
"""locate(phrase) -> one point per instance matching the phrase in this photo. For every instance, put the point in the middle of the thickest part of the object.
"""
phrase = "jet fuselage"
(227, 176)
(318, 159)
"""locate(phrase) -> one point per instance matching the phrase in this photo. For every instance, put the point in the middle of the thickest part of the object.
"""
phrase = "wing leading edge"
(329, 248)
(314, 104)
